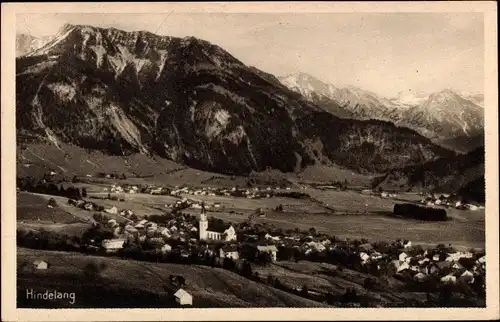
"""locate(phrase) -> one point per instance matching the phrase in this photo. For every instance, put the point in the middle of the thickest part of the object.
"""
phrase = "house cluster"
(185, 203)
(250, 193)
(419, 265)
(379, 193)
(116, 188)
(447, 200)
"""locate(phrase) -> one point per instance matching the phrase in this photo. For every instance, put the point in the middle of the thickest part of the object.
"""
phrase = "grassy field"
(318, 174)
(289, 204)
(33, 214)
(126, 283)
(37, 159)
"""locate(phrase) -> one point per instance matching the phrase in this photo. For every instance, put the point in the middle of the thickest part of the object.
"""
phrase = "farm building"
(364, 256)
(402, 257)
(467, 277)
(183, 298)
(449, 279)
(40, 264)
(112, 210)
(268, 249)
(229, 252)
(113, 245)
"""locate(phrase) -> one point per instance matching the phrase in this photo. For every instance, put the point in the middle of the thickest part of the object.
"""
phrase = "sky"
(387, 53)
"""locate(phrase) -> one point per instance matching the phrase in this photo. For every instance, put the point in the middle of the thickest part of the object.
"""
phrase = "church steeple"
(203, 224)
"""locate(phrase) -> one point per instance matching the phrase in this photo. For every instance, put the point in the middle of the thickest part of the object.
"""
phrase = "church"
(222, 233)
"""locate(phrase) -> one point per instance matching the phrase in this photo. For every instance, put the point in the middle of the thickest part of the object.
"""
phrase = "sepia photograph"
(223, 159)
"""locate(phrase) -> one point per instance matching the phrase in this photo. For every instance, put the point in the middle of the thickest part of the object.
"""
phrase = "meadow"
(128, 283)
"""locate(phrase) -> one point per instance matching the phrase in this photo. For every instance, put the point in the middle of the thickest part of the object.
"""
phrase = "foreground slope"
(127, 283)
(192, 102)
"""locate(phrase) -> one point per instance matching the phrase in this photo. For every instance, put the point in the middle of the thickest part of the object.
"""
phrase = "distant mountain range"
(27, 43)
(192, 102)
(444, 117)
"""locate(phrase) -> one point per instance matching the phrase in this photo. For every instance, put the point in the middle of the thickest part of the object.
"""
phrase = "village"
(185, 238)
(183, 232)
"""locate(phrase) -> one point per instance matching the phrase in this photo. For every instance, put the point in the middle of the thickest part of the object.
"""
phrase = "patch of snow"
(222, 116)
(64, 91)
(45, 49)
(100, 52)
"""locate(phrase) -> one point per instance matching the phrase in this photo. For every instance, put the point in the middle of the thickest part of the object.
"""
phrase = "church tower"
(203, 223)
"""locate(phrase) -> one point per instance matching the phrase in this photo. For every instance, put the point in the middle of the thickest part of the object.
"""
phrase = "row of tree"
(30, 185)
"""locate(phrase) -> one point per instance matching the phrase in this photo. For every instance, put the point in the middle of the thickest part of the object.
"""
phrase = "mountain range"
(445, 117)
(192, 102)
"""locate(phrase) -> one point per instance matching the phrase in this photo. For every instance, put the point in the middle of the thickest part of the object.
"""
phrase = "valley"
(148, 165)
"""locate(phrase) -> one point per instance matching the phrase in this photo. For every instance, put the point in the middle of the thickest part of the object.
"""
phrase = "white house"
(113, 245)
(402, 257)
(40, 264)
(364, 256)
(407, 244)
(166, 248)
(156, 191)
(472, 207)
(449, 279)
(229, 252)
(436, 258)
(403, 266)
(112, 210)
(467, 277)
(183, 298)
(269, 249)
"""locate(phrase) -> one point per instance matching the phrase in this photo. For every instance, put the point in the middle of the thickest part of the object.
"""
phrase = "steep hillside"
(474, 190)
(445, 117)
(192, 102)
(445, 174)
(134, 284)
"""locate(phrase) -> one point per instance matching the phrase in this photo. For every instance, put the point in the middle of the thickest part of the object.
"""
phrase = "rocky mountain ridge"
(192, 102)
(445, 117)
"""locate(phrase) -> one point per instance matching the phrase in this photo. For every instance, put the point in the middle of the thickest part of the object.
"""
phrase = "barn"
(183, 298)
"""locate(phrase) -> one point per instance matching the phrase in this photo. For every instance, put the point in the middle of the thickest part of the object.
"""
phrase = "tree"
(52, 202)
(264, 258)
(74, 180)
(84, 192)
(369, 283)
(246, 270)
(304, 291)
